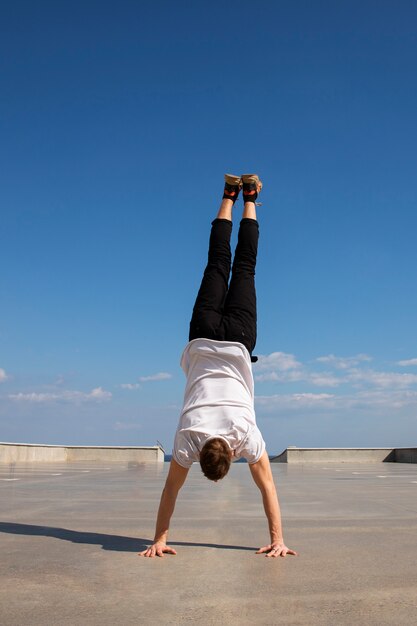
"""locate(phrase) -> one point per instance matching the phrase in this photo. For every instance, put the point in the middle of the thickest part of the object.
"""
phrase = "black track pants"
(223, 311)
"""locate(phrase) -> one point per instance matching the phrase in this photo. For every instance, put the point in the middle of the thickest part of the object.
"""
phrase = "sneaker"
(252, 186)
(232, 186)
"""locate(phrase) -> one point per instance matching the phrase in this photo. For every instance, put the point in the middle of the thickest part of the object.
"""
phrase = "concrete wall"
(281, 458)
(32, 453)
(406, 455)
(335, 455)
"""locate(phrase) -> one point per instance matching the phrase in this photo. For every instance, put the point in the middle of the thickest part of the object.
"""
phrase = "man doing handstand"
(217, 423)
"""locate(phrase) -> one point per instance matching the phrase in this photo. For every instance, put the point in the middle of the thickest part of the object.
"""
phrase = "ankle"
(231, 192)
(250, 194)
(251, 187)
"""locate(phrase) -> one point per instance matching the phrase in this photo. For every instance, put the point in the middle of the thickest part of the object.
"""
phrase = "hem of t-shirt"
(217, 341)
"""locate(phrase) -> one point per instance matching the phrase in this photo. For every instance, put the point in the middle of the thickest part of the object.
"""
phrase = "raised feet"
(252, 186)
(232, 186)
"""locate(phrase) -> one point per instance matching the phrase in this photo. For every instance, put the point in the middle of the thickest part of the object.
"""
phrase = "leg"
(208, 308)
(240, 317)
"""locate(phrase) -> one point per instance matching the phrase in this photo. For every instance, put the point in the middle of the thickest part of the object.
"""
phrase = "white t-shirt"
(218, 401)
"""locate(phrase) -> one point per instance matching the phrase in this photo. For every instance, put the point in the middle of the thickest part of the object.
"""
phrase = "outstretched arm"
(175, 480)
(262, 475)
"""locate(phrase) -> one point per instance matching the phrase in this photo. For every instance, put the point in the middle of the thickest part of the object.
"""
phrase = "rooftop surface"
(70, 534)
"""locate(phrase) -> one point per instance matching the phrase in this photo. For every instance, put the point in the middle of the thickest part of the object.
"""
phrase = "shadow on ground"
(107, 542)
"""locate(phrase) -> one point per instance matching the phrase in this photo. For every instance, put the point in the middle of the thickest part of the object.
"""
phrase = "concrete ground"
(70, 534)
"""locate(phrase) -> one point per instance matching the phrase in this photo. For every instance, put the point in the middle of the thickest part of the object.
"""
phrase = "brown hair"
(215, 459)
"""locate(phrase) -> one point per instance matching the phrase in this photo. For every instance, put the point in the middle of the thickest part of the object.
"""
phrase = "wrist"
(277, 539)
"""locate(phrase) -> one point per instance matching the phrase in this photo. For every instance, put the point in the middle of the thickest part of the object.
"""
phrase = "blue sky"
(117, 123)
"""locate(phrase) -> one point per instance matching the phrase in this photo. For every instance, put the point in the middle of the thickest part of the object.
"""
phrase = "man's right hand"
(157, 549)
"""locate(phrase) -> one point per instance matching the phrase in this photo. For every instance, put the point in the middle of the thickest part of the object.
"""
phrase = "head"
(215, 458)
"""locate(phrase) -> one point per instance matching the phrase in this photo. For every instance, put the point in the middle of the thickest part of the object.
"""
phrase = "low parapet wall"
(406, 455)
(31, 453)
(346, 455)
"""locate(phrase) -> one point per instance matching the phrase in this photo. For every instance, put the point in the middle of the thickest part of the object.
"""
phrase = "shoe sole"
(231, 179)
(252, 178)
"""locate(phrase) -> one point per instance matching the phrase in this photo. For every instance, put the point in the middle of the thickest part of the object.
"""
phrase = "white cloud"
(324, 379)
(3, 375)
(293, 401)
(268, 376)
(33, 397)
(282, 367)
(280, 361)
(377, 401)
(282, 377)
(377, 393)
(343, 363)
(126, 426)
(95, 395)
(382, 379)
(159, 376)
(146, 379)
(279, 367)
(385, 399)
(407, 362)
(99, 394)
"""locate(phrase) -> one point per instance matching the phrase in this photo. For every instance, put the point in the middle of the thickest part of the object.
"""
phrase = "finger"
(160, 552)
(293, 552)
(274, 552)
(264, 549)
(170, 551)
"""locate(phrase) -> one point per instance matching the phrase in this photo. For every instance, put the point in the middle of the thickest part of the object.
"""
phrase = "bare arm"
(262, 475)
(175, 480)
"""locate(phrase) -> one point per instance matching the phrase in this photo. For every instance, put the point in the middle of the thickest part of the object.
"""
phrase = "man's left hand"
(276, 549)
